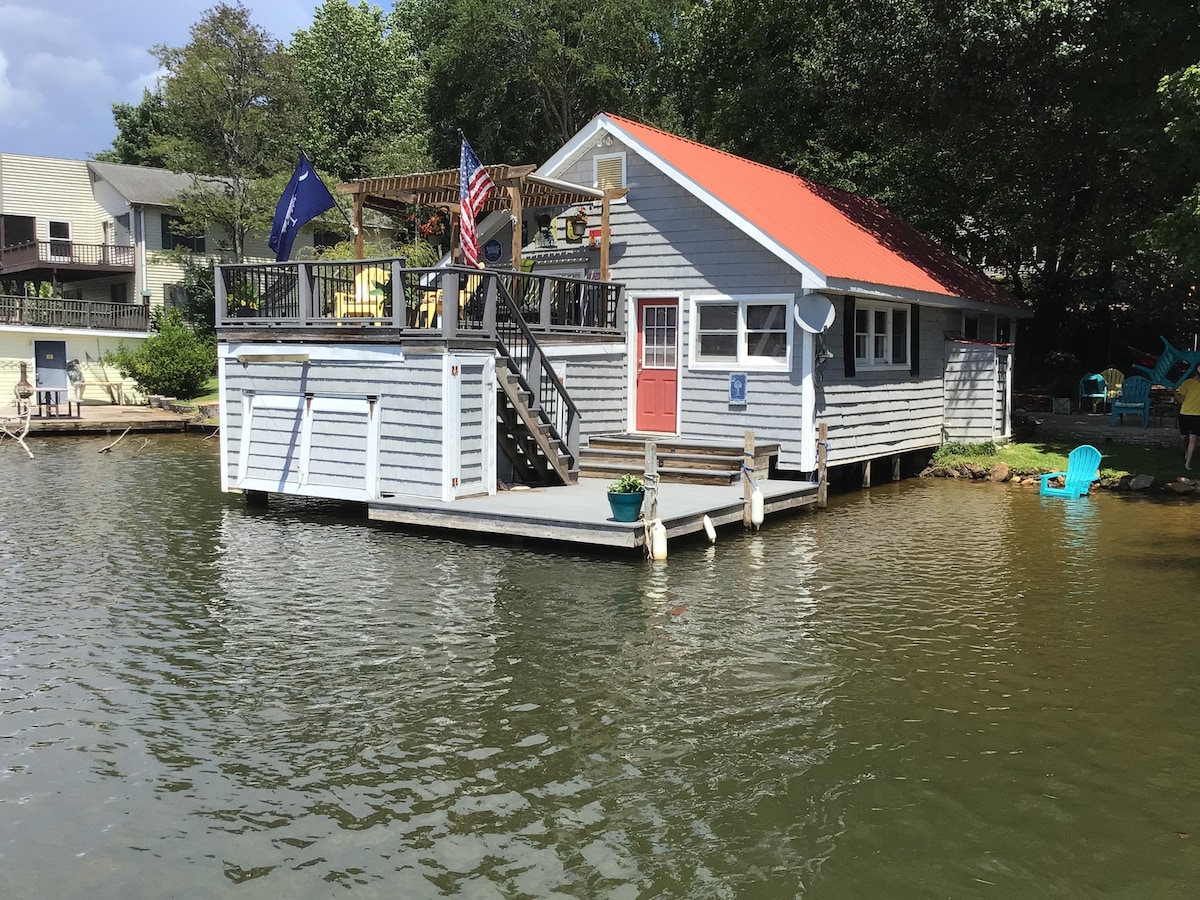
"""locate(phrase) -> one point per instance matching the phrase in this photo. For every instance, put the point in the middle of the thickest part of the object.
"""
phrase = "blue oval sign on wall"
(492, 251)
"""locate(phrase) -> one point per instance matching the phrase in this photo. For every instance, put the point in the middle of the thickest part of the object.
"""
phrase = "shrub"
(174, 362)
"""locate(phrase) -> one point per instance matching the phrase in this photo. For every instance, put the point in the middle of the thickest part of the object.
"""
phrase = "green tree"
(366, 90)
(174, 362)
(521, 80)
(141, 130)
(233, 94)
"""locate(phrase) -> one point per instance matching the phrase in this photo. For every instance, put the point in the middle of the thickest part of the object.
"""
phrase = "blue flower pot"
(626, 507)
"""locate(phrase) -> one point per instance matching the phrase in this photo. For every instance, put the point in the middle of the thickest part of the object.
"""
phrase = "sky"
(64, 63)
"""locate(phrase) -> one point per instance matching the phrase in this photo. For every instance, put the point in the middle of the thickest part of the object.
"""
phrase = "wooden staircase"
(679, 461)
(525, 435)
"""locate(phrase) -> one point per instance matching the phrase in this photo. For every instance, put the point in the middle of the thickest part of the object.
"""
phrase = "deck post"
(449, 304)
(304, 287)
(866, 474)
(545, 316)
(747, 463)
(651, 476)
(399, 306)
(220, 298)
(359, 240)
(489, 306)
(896, 467)
(822, 465)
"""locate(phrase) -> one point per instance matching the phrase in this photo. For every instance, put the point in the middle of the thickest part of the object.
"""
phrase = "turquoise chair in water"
(1083, 467)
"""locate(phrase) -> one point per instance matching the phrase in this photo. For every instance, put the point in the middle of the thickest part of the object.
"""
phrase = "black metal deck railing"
(302, 296)
(55, 312)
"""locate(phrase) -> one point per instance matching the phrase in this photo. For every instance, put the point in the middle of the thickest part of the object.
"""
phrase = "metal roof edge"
(925, 298)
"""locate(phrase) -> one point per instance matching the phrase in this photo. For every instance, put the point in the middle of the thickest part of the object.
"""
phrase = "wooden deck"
(579, 513)
(108, 419)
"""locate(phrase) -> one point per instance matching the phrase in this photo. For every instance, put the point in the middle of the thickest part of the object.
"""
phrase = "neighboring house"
(740, 298)
(90, 234)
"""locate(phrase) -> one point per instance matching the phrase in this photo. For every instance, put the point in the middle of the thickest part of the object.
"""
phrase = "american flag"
(475, 185)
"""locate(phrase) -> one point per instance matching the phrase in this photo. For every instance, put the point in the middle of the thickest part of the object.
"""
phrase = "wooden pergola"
(517, 189)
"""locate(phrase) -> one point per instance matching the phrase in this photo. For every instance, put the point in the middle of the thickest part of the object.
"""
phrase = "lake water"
(933, 689)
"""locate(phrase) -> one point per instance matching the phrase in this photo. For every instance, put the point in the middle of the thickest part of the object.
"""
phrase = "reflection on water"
(933, 689)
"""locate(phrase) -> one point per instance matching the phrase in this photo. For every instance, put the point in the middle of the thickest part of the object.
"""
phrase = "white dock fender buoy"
(710, 530)
(756, 508)
(658, 540)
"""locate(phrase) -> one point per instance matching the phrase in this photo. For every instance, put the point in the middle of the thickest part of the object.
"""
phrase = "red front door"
(656, 389)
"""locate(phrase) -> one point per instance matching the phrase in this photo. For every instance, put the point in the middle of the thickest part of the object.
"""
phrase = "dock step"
(680, 461)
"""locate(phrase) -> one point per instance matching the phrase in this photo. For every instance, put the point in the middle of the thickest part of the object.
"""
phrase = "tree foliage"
(173, 362)
(1054, 142)
(236, 108)
(365, 90)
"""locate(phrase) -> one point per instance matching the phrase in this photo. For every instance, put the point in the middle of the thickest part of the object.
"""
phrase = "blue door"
(50, 365)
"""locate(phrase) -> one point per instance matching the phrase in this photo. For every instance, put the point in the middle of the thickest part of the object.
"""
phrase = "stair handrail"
(563, 416)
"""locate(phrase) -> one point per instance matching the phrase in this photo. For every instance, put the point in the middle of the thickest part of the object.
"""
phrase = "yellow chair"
(371, 287)
(1112, 383)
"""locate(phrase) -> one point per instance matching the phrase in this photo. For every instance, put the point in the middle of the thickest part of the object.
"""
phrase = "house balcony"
(52, 312)
(64, 260)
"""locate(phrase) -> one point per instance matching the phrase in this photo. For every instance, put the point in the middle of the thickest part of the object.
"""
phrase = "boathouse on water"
(636, 285)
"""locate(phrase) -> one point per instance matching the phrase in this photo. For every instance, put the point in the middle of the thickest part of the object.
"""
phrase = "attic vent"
(610, 170)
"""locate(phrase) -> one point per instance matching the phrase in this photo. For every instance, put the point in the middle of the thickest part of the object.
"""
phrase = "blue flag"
(304, 197)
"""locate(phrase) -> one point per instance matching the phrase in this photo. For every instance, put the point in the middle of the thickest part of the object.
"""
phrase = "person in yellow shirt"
(1188, 395)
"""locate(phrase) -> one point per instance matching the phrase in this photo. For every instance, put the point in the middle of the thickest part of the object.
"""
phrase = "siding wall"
(51, 189)
(597, 380)
(668, 244)
(972, 393)
(411, 391)
(16, 347)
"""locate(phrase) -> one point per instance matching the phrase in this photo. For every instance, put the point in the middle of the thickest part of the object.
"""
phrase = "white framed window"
(60, 239)
(741, 332)
(608, 171)
(881, 334)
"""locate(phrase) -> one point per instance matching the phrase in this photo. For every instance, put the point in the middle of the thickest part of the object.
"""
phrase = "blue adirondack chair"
(1083, 467)
(1092, 387)
(1134, 398)
(1167, 362)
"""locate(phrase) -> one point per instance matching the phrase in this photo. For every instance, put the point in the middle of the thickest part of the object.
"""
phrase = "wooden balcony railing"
(384, 292)
(58, 313)
(66, 254)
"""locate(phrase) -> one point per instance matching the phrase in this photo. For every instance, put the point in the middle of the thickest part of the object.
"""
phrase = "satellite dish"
(814, 312)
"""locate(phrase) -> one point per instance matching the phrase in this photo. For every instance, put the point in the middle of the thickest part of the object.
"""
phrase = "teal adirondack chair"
(1093, 387)
(1166, 371)
(1083, 467)
(1134, 398)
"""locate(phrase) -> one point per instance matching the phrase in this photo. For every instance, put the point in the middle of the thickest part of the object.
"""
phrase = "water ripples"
(897, 697)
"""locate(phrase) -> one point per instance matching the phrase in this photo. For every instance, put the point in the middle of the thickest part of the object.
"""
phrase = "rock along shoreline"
(1000, 473)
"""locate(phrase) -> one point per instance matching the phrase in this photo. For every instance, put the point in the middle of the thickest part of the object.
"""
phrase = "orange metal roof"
(842, 235)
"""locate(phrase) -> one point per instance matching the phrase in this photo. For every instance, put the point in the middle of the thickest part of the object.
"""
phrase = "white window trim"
(52, 240)
(621, 155)
(872, 306)
(743, 363)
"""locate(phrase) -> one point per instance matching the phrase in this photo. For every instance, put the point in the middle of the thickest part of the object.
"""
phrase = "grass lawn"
(1028, 457)
(209, 393)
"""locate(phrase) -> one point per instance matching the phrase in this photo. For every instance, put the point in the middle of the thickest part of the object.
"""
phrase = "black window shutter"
(848, 335)
(167, 234)
(914, 340)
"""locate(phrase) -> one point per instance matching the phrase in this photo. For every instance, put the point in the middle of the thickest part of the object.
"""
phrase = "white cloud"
(14, 105)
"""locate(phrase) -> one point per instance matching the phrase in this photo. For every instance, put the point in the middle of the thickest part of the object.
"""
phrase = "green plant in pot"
(625, 497)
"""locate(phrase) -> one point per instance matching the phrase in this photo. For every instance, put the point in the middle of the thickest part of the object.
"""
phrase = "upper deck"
(382, 300)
